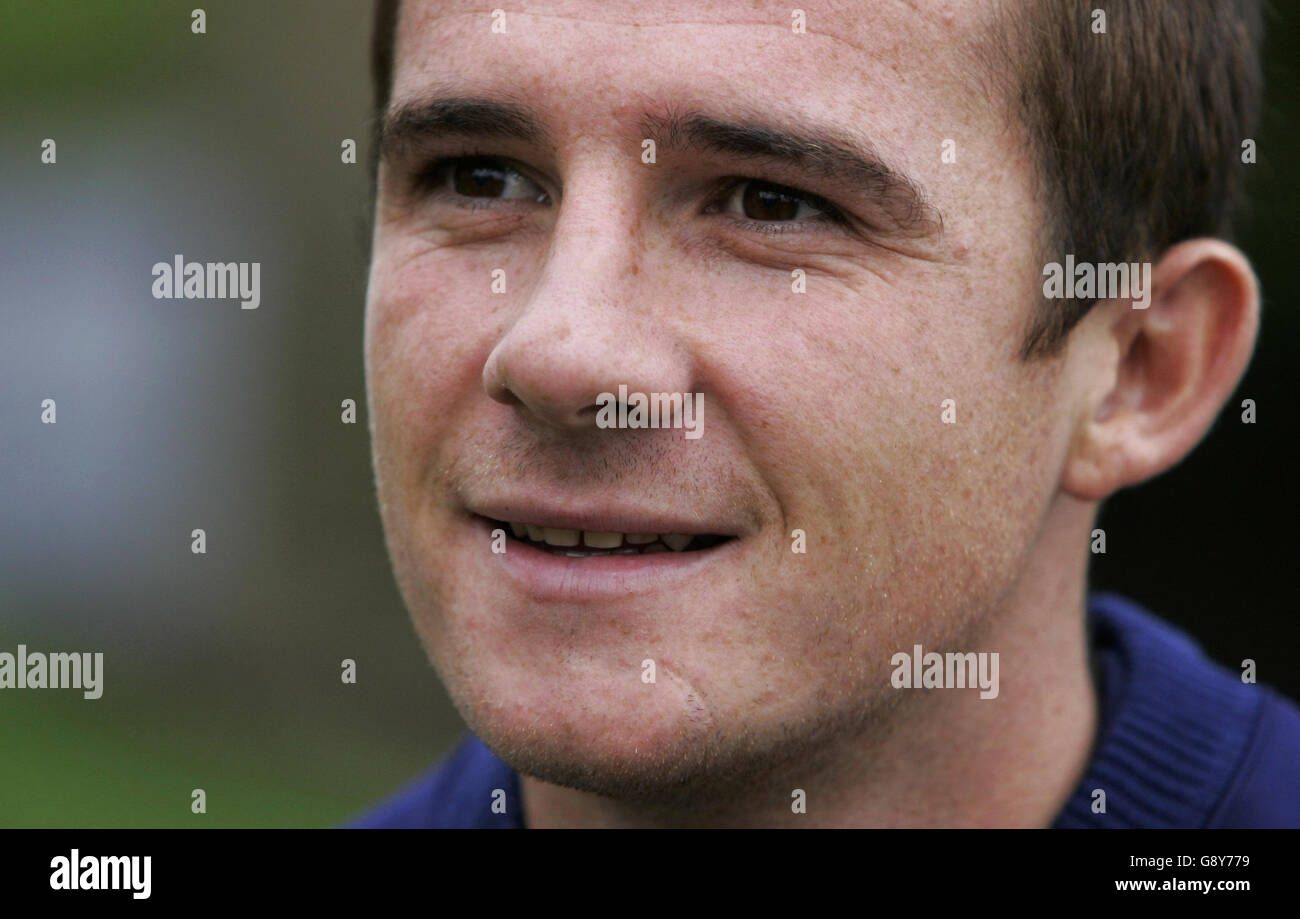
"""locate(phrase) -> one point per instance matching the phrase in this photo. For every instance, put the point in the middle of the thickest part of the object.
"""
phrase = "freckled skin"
(823, 413)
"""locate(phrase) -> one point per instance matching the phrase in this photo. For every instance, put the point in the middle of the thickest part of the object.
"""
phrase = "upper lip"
(599, 516)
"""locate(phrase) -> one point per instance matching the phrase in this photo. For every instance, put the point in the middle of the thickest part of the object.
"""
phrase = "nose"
(591, 320)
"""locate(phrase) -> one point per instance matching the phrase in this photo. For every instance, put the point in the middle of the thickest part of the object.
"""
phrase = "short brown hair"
(1136, 131)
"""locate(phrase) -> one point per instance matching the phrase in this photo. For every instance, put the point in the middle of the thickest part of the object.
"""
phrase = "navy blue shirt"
(1181, 742)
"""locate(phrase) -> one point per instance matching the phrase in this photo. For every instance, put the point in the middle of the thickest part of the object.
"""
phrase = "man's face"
(823, 410)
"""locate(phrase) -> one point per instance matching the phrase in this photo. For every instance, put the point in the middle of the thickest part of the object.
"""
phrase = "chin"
(578, 728)
(665, 744)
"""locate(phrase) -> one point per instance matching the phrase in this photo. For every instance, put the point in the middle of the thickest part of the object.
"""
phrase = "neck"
(941, 757)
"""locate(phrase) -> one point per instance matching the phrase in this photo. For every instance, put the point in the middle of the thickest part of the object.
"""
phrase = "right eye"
(483, 177)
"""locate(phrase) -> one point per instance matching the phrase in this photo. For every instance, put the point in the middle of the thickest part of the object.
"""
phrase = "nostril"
(496, 381)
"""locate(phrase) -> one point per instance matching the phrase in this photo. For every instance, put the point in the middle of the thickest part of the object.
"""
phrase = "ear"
(1156, 378)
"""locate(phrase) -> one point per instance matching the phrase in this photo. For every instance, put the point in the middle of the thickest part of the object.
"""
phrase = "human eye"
(478, 180)
(767, 207)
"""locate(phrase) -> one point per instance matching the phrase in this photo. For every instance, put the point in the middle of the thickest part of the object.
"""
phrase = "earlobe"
(1156, 378)
(1096, 466)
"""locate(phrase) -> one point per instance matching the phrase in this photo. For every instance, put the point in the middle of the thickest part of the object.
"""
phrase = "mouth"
(560, 548)
(572, 543)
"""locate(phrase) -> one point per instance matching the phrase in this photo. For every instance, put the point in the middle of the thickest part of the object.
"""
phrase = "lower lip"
(546, 576)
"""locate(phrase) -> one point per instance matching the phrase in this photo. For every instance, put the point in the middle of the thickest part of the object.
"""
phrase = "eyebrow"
(823, 153)
(408, 123)
(827, 154)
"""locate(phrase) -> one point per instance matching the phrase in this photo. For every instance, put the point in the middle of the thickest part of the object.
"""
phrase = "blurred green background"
(222, 670)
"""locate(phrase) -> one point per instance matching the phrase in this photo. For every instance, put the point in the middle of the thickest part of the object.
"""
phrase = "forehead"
(903, 69)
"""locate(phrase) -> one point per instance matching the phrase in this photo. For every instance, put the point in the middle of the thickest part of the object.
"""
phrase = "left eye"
(764, 201)
(482, 177)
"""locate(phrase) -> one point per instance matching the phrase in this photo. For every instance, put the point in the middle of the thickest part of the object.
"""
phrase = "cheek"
(424, 356)
(917, 512)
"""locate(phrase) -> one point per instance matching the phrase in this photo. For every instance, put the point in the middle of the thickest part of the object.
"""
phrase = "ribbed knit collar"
(1173, 726)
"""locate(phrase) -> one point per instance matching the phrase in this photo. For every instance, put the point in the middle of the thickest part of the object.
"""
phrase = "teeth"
(557, 537)
(603, 543)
